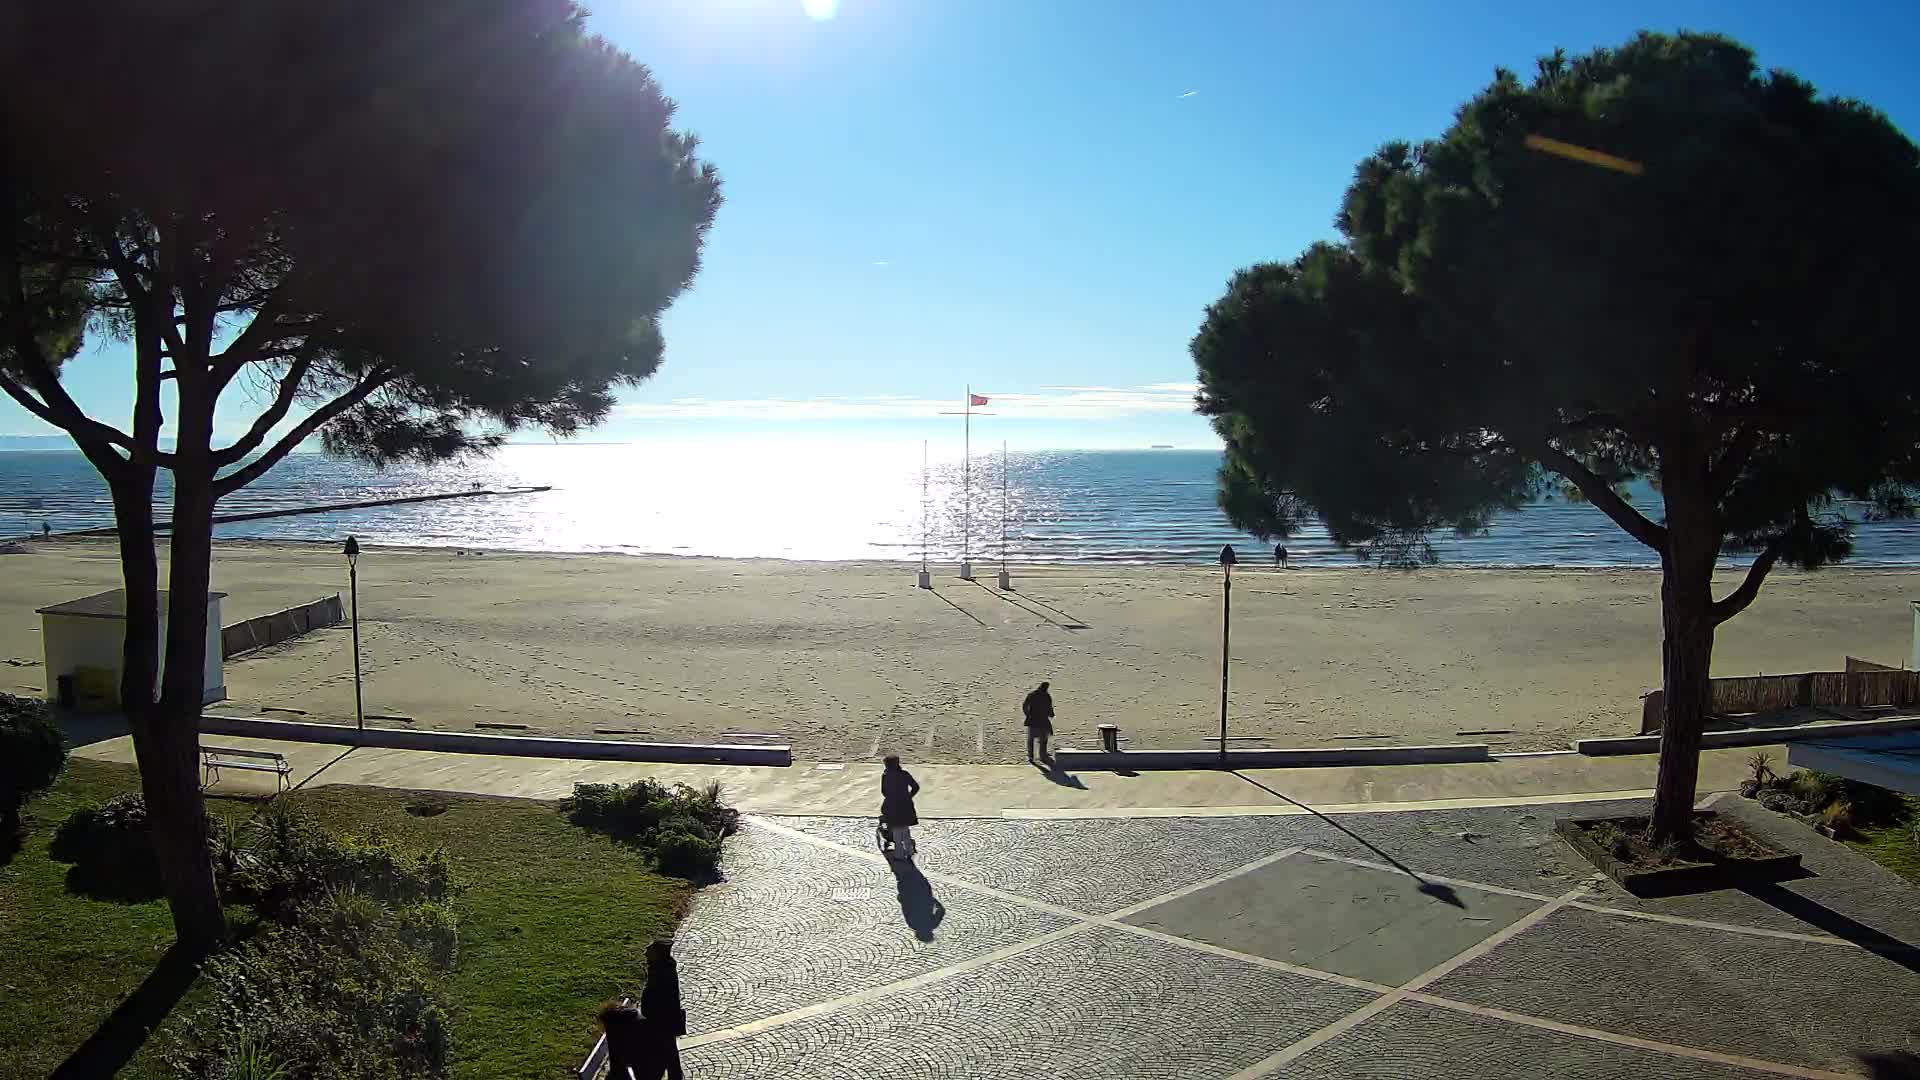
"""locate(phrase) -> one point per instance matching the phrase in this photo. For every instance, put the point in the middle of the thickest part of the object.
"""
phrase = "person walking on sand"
(1038, 708)
(1280, 556)
(666, 1019)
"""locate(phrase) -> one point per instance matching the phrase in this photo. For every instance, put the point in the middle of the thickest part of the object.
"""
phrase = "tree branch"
(1746, 439)
(266, 421)
(1601, 494)
(372, 381)
(1736, 601)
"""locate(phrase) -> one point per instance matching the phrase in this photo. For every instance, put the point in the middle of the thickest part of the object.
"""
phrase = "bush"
(31, 754)
(681, 827)
(290, 863)
(111, 849)
(345, 980)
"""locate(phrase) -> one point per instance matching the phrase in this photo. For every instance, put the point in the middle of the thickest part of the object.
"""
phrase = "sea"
(823, 500)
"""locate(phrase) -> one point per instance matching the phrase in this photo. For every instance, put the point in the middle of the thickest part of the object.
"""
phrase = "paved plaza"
(1462, 943)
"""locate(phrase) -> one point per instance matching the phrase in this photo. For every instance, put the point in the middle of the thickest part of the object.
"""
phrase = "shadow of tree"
(125, 1030)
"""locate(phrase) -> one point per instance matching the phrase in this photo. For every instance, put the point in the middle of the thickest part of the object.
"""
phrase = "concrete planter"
(1681, 877)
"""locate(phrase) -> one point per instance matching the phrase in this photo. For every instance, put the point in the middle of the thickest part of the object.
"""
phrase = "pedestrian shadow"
(1438, 890)
(922, 910)
(120, 1036)
(1051, 769)
(1833, 922)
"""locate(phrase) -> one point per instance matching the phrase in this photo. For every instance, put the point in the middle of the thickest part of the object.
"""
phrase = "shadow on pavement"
(1051, 769)
(1841, 926)
(1891, 1065)
(1437, 890)
(122, 1033)
(922, 910)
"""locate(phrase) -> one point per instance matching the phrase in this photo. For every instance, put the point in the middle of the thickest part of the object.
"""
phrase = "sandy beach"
(849, 661)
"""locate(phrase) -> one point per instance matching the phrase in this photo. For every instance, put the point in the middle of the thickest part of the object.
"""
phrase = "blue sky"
(1039, 197)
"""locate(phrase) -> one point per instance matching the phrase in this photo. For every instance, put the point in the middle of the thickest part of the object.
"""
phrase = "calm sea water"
(824, 501)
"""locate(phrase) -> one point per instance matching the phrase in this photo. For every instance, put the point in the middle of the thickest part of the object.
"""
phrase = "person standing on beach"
(1038, 708)
(1280, 556)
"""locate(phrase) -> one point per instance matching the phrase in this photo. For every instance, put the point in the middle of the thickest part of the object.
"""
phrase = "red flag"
(976, 399)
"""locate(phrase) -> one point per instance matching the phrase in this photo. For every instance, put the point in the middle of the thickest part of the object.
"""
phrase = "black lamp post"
(1227, 559)
(353, 590)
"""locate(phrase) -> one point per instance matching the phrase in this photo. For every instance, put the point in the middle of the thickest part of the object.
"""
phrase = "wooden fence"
(1862, 684)
(265, 630)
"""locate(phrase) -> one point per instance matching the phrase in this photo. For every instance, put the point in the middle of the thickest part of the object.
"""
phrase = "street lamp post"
(1227, 560)
(353, 590)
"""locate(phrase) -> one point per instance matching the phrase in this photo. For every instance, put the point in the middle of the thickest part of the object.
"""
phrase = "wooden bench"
(215, 758)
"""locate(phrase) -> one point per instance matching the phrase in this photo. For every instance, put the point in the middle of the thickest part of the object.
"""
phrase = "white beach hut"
(83, 640)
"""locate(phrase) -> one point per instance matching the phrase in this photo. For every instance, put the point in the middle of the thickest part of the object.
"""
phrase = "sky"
(1038, 198)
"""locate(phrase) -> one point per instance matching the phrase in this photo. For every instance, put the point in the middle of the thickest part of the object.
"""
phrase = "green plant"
(250, 1060)
(292, 863)
(31, 755)
(111, 849)
(1760, 766)
(682, 828)
(1816, 789)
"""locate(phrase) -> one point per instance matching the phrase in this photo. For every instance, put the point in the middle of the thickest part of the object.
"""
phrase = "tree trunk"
(167, 751)
(1687, 657)
(180, 834)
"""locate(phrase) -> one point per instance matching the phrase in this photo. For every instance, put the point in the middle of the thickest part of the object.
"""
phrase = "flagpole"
(926, 578)
(966, 491)
(1006, 579)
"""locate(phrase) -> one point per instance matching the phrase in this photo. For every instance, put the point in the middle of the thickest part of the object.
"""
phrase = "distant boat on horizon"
(1161, 446)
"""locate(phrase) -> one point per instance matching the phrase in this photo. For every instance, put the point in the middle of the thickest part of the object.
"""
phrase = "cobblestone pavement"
(1463, 944)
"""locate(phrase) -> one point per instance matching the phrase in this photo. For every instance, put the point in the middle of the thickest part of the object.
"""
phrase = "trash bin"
(1110, 738)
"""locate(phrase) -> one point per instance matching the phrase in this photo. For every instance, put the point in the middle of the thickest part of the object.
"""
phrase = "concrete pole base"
(966, 571)
(1006, 581)
(926, 580)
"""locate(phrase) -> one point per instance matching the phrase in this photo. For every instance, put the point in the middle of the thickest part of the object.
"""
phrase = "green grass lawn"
(554, 919)
(1893, 846)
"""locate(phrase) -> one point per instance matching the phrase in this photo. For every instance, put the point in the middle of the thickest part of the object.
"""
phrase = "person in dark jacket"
(1038, 708)
(666, 1019)
(631, 1048)
(897, 789)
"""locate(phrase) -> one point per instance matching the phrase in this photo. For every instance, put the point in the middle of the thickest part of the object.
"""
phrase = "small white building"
(85, 639)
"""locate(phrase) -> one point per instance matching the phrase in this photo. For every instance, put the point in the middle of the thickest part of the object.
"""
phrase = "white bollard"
(926, 580)
(1006, 581)
(966, 571)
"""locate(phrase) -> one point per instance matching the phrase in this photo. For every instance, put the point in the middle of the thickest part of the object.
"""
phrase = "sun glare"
(820, 9)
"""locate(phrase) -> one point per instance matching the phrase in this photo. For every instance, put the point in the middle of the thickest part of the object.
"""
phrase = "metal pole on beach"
(1006, 579)
(1226, 626)
(353, 590)
(966, 491)
(926, 577)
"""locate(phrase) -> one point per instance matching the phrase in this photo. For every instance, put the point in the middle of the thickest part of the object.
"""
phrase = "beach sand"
(849, 661)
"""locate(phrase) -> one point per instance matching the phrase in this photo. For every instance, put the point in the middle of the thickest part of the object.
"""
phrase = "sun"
(820, 9)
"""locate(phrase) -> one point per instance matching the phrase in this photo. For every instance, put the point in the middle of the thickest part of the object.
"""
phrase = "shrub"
(31, 754)
(1815, 789)
(345, 980)
(290, 863)
(1760, 765)
(681, 827)
(111, 849)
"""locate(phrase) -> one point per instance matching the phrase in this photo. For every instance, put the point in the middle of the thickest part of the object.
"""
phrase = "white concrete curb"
(461, 742)
(1256, 758)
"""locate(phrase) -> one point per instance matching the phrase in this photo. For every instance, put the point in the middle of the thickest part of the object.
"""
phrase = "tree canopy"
(402, 227)
(1654, 261)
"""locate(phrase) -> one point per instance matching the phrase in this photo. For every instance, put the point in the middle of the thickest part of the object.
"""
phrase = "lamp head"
(1227, 557)
(352, 549)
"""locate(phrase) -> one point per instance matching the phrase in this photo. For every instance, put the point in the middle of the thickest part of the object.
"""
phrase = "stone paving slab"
(1425, 1041)
(1101, 865)
(1099, 1003)
(794, 923)
(1820, 1006)
(1369, 924)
